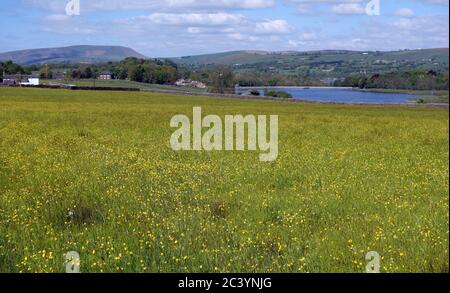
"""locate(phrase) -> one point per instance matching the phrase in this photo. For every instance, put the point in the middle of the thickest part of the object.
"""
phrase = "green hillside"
(329, 63)
(72, 54)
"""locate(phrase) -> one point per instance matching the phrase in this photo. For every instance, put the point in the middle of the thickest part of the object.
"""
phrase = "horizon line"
(230, 51)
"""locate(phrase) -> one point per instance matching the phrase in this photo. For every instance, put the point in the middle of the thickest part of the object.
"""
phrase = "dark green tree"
(221, 80)
(136, 73)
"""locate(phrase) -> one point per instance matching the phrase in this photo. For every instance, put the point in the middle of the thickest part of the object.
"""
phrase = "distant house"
(34, 81)
(106, 75)
(199, 84)
(20, 80)
(182, 82)
(59, 75)
(10, 80)
(190, 83)
(329, 81)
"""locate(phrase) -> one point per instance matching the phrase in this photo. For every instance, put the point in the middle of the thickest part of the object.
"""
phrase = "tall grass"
(93, 172)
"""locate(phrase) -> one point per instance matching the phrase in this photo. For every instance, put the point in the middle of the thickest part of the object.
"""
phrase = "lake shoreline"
(305, 93)
(295, 87)
(371, 90)
(263, 98)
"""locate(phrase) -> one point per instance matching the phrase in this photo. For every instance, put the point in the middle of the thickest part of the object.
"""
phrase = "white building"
(190, 83)
(106, 75)
(31, 81)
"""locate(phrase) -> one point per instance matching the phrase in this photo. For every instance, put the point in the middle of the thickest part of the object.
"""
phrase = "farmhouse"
(59, 75)
(10, 80)
(17, 79)
(34, 81)
(105, 75)
(190, 83)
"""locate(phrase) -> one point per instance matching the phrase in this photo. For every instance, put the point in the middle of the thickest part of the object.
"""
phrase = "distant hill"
(72, 54)
(328, 63)
(243, 57)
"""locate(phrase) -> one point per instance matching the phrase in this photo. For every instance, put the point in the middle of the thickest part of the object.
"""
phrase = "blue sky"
(160, 28)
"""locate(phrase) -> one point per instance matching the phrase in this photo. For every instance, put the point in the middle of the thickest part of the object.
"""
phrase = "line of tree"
(222, 79)
(154, 71)
(9, 67)
(254, 78)
(408, 80)
(141, 70)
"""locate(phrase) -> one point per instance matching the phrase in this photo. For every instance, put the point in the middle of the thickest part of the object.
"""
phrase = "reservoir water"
(341, 95)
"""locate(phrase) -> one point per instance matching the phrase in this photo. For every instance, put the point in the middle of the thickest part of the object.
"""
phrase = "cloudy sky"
(160, 28)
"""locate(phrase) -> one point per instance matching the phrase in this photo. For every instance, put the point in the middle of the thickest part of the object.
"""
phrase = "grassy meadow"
(93, 172)
(126, 84)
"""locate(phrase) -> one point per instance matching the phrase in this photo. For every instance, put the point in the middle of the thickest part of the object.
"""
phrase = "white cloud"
(440, 2)
(405, 12)
(71, 30)
(310, 6)
(242, 37)
(206, 19)
(90, 5)
(136, 4)
(194, 30)
(348, 8)
(58, 17)
(412, 32)
(183, 27)
(308, 36)
(278, 26)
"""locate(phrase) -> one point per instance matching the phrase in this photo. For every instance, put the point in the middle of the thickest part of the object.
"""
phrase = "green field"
(93, 172)
(125, 84)
(440, 97)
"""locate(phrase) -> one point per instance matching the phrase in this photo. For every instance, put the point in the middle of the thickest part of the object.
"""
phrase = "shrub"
(277, 94)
